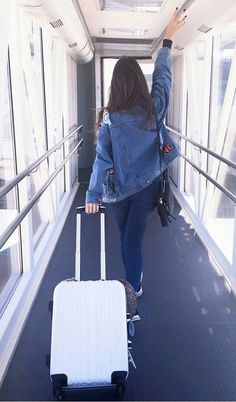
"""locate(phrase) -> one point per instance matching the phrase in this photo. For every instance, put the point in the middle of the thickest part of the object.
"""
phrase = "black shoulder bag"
(165, 200)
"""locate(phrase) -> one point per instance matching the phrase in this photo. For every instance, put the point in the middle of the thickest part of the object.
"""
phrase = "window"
(197, 77)
(33, 116)
(210, 77)
(54, 62)
(10, 261)
(71, 119)
(220, 209)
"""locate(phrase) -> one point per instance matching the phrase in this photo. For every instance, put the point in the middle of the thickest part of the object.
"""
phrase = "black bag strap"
(163, 211)
(163, 173)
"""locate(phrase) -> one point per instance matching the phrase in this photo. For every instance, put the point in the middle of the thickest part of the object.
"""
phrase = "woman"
(127, 165)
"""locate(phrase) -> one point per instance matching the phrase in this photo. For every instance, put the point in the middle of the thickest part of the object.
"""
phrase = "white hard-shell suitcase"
(89, 344)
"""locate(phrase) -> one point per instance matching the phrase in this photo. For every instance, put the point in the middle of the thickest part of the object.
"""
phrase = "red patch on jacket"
(167, 148)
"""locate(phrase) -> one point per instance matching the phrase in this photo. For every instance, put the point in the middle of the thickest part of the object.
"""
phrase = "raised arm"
(162, 76)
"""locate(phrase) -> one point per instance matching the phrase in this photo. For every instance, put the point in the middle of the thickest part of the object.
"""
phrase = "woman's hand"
(91, 208)
(174, 25)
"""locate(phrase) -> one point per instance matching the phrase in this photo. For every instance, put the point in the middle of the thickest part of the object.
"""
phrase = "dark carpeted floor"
(185, 344)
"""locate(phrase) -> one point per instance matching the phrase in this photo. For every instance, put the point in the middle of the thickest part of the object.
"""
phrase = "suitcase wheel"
(120, 389)
(59, 381)
(58, 395)
(118, 378)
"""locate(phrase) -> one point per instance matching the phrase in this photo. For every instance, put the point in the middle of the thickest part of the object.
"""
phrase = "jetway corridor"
(57, 62)
(184, 345)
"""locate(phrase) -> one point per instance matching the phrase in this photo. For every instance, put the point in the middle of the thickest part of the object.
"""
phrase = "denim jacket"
(127, 155)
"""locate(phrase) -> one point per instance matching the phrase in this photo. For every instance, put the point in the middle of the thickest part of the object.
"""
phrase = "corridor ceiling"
(129, 27)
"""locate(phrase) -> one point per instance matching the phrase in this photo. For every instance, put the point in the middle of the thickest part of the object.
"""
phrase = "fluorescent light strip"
(124, 32)
(131, 5)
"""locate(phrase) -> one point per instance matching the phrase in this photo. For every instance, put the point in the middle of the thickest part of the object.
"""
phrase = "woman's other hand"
(91, 208)
(174, 25)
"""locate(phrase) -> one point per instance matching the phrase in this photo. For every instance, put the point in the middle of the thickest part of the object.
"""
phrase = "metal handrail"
(221, 158)
(12, 183)
(221, 188)
(10, 229)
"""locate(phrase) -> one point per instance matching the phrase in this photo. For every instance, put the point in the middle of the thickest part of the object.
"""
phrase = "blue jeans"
(132, 215)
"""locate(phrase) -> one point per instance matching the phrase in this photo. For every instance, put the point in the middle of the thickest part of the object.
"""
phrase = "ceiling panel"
(99, 21)
(112, 20)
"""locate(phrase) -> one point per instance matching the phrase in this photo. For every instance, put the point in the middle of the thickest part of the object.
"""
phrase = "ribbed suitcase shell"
(89, 344)
(89, 333)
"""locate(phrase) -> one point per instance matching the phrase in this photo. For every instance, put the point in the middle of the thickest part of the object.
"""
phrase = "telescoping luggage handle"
(79, 211)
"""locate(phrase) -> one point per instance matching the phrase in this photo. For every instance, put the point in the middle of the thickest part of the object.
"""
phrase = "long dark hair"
(128, 89)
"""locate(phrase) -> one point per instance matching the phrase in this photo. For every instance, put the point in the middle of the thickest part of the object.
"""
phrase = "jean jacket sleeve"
(161, 82)
(103, 162)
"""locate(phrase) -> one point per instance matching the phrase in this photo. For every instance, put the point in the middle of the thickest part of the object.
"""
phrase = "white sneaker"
(141, 277)
(136, 316)
(140, 292)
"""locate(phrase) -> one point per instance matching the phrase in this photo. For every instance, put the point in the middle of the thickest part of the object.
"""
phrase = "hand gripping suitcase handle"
(79, 211)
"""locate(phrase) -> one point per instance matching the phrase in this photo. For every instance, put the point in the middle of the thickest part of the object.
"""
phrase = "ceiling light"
(124, 31)
(152, 6)
(145, 9)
